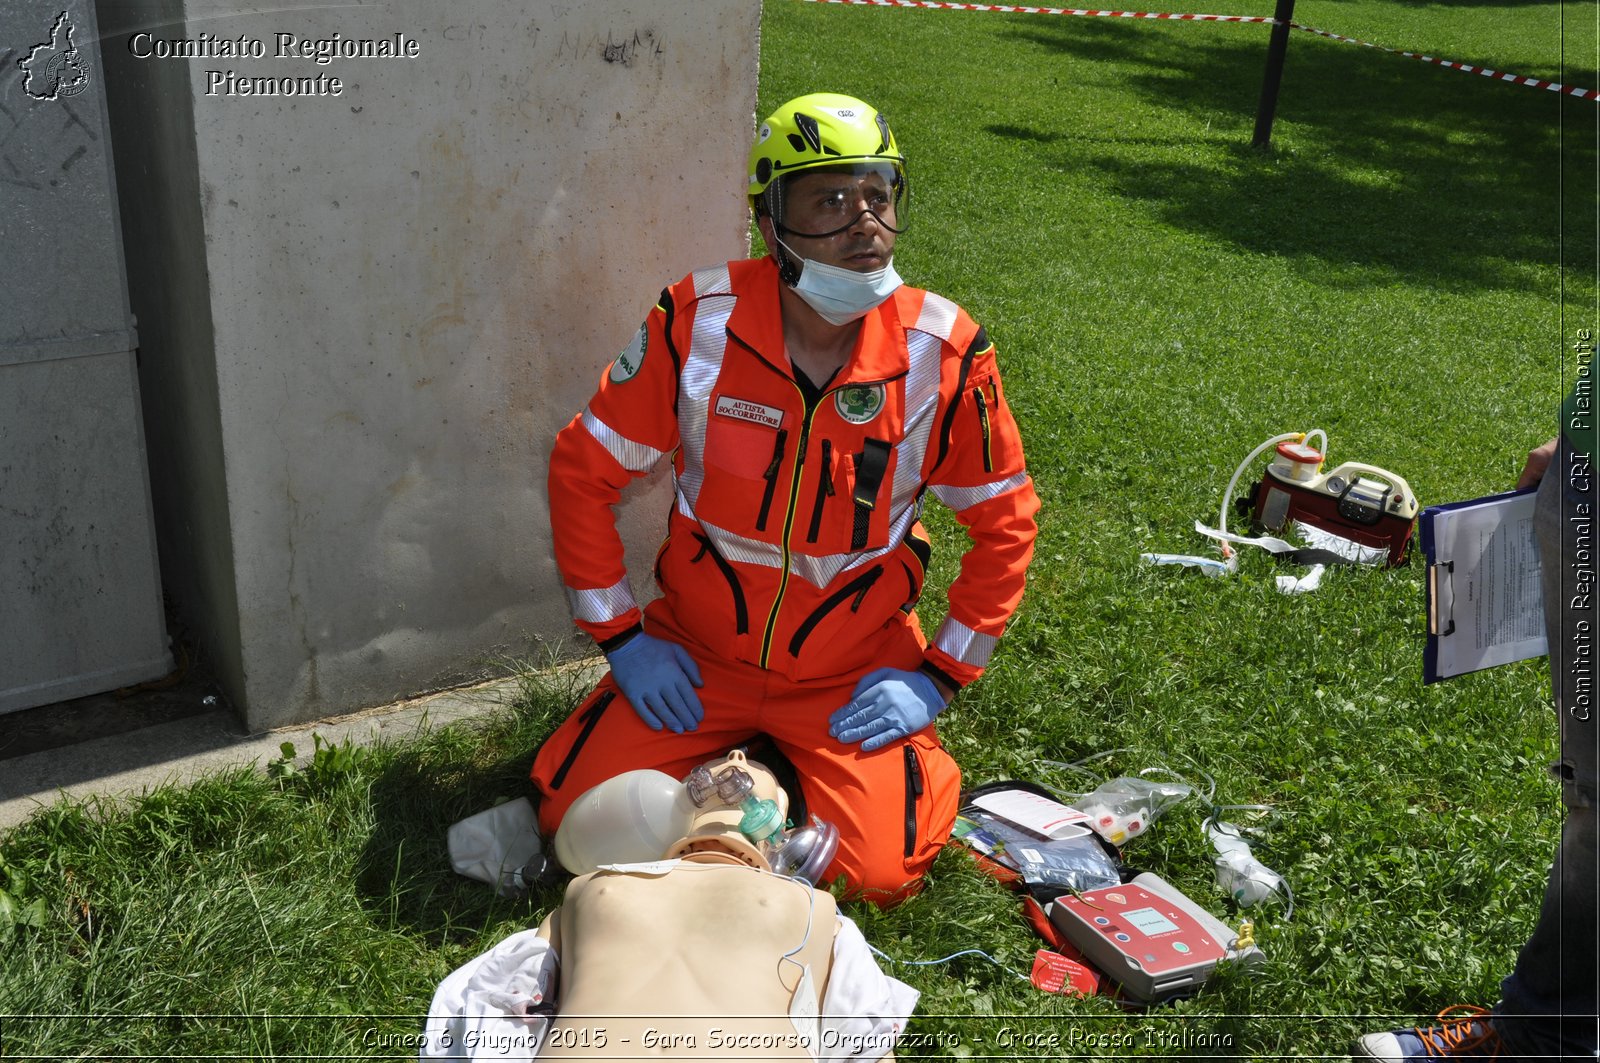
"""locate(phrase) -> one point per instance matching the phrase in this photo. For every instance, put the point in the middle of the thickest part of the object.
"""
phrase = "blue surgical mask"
(839, 295)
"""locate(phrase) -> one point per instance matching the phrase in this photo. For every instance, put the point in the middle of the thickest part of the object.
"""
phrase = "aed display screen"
(1149, 922)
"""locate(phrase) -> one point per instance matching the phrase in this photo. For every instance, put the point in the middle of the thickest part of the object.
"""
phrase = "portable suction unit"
(1363, 503)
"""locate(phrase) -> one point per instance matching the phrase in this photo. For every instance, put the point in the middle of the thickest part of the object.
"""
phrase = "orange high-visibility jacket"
(794, 541)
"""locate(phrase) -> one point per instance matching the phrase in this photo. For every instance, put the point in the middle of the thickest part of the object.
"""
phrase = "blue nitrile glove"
(887, 704)
(658, 679)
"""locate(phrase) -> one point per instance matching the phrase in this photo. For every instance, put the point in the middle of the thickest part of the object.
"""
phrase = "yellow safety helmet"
(821, 130)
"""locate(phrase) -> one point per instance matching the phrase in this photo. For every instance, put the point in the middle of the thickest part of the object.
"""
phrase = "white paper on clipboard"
(1484, 596)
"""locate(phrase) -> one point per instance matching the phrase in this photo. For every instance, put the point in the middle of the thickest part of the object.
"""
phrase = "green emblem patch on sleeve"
(631, 359)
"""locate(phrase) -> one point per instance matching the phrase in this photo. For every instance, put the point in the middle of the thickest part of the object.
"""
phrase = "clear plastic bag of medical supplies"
(1124, 807)
(1067, 864)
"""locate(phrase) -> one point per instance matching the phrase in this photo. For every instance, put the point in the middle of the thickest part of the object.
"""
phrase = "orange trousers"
(894, 807)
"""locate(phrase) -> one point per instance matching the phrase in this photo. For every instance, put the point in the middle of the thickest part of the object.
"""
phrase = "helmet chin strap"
(791, 264)
(788, 268)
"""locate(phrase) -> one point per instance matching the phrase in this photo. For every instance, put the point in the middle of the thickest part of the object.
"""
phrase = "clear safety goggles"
(822, 203)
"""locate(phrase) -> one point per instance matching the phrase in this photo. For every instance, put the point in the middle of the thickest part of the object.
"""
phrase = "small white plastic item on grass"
(1208, 565)
(500, 846)
(1239, 873)
(1116, 824)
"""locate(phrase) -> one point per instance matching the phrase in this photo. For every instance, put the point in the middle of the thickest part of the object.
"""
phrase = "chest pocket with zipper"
(847, 506)
(746, 472)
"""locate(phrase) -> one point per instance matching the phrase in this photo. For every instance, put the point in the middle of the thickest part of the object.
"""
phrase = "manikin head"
(716, 825)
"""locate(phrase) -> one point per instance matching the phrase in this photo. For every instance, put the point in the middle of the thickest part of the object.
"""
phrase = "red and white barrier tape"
(1018, 9)
(1466, 68)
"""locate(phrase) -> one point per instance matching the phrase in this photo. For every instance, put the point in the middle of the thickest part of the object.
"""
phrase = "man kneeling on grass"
(808, 402)
(704, 954)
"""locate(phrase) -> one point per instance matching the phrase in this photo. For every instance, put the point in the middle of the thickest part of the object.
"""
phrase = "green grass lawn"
(1402, 270)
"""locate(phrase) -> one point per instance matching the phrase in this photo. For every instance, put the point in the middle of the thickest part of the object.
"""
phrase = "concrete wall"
(80, 597)
(365, 315)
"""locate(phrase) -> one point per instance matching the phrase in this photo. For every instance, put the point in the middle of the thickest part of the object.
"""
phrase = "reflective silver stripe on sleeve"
(597, 607)
(630, 454)
(937, 316)
(960, 498)
(707, 342)
(965, 644)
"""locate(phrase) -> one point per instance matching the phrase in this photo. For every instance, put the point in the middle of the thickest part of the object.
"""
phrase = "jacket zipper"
(824, 491)
(913, 791)
(771, 476)
(741, 615)
(983, 425)
(591, 718)
(913, 593)
(857, 588)
(788, 529)
(787, 565)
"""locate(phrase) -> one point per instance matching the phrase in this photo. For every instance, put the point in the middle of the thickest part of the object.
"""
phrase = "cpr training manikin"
(706, 953)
